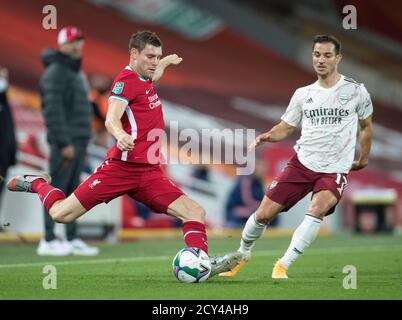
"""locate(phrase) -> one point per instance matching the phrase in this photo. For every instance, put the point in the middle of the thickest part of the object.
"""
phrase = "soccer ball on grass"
(191, 265)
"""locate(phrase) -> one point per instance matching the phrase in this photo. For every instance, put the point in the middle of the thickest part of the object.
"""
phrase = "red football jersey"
(142, 119)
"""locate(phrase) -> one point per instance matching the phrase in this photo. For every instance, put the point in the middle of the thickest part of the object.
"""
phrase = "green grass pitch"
(142, 270)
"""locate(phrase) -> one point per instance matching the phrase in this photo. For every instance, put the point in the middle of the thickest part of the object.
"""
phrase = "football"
(191, 265)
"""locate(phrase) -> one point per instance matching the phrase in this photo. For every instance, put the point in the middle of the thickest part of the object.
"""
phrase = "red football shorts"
(296, 181)
(144, 182)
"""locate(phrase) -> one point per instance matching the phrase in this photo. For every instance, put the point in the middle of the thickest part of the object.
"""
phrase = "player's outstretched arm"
(113, 124)
(172, 59)
(278, 133)
(365, 137)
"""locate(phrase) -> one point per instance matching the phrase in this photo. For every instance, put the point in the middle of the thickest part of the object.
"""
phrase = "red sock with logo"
(195, 235)
(48, 194)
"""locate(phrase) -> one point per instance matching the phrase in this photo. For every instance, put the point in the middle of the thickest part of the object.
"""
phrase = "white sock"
(303, 236)
(251, 232)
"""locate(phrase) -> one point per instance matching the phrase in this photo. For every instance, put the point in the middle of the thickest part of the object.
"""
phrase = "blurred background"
(242, 62)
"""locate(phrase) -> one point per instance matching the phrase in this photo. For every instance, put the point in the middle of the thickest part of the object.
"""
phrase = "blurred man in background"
(100, 85)
(329, 112)
(68, 115)
(8, 144)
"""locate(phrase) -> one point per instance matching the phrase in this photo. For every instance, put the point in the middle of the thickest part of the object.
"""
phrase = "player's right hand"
(264, 137)
(125, 142)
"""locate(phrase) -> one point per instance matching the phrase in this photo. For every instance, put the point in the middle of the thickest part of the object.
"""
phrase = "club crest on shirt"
(118, 87)
(343, 99)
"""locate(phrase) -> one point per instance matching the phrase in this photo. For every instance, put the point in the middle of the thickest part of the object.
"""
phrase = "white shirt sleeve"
(365, 107)
(293, 114)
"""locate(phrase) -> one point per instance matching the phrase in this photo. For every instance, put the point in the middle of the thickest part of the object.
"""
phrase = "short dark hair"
(323, 38)
(140, 39)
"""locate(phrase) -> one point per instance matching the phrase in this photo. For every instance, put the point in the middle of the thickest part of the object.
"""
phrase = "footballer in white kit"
(329, 112)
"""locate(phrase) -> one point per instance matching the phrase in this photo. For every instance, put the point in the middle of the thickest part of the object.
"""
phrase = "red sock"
(48, 194)
(195, 235)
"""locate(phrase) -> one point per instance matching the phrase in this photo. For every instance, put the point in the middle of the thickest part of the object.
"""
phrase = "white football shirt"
(329, 121)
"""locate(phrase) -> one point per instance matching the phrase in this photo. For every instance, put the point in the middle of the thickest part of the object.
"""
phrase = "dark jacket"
(65, 104)
(8, 145)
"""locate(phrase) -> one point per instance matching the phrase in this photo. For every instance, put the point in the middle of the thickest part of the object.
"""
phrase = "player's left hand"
(171, 59)
(358, 165)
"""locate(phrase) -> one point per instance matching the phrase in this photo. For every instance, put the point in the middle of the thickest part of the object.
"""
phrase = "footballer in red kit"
(132, 166)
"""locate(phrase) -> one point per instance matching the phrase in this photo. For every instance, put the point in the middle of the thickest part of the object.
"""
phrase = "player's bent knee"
(265, 215)
(261, 217)
(267, 210)
(318, 210)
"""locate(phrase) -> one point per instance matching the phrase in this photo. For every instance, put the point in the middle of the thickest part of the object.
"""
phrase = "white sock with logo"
(303, 236)
(251, 232)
